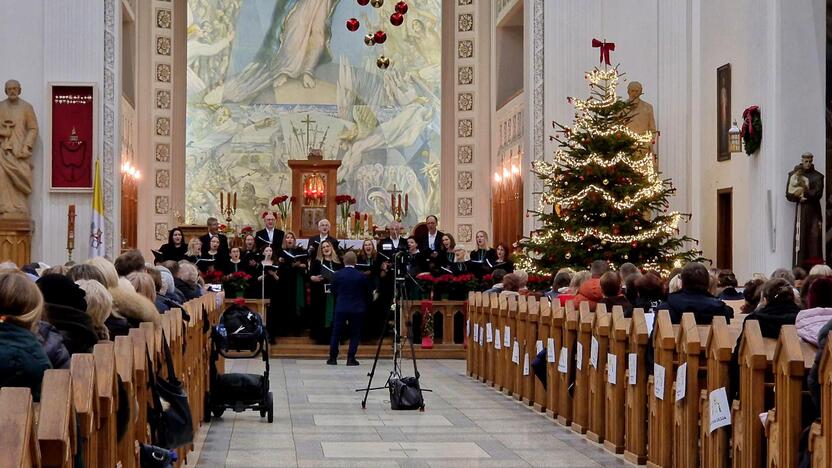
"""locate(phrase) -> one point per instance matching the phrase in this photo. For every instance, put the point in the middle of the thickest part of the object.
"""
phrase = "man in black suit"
(353, 295)
(323, 234)
(214, 231)
(269, 236)
(393, 243)
(431, 243)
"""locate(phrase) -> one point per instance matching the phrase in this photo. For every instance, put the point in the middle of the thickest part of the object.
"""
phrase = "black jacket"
(75, 326)
(187, 290)
(117, 326)
(206, 244)
(730, 294)
(703, 306)
(53, 343)
(772, 317)
(262, 239)
(22, 359)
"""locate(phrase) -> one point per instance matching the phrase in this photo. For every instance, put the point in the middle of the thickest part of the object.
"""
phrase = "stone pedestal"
(16, 240)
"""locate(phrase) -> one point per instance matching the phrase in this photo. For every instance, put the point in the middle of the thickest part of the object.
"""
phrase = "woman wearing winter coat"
(818, 311)
(65, 307)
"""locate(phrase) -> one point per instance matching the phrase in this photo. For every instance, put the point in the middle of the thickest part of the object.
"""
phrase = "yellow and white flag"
(97, 224)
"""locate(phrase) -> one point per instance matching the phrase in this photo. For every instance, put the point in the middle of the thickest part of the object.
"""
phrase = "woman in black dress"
(483, 253)
(502, 260)
(194, 250)
(176, 248)
(321, 271)
(268, 280)
(212, 261)
(291, 289)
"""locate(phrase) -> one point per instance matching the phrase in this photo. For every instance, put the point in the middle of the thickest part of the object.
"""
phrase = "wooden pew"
(555, 341)
(580, 404)
(615, 394)
(56, 423)
(479, 348)
(492, 315)
(105, 376)
(686, 418)
(522, 318)
(756, 355)
(18, 441)
(566, 356)
(125, 369)
(85, 400)
(820, 438)
(142, 389)
(635, 450)
(792, 359)
(530, 350)
(511, 328)
(544, 328)
(598, 374)
(474, 298)
(499, 349)
(720, 345)
(660, 395)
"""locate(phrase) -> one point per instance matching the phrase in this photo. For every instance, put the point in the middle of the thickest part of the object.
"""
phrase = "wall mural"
(267, 78)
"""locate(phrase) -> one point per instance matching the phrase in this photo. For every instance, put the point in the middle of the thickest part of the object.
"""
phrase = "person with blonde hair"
(143, 284)
(99, 306)
(820, 270)
(22, 358)
(107, 269)
(194, 249)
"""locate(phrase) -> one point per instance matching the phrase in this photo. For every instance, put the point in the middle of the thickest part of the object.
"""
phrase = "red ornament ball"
(363, 2)
(634, 244)
(380, 37)
(396, 19)
(401, 8)
(353, 24)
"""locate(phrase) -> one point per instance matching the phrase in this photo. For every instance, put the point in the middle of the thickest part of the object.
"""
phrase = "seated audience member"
(818, 311)
(65, 307)
(22, 358)
(56, 270)
(53, 343)
(694, 297)
(629, 287)
(813, 379)
(560, 283)
(752, 292)
(107, 269)
(675, 284)
(186, 280)
(650, 291)
(778, 307)
(821, 270)
(132, 306)
(627, 270)
(578, 279)
(497, 277)
(99, 306)
(784, 273)
(523, 279)
(143, 284)
(162, 303)
(85, 271)
(128, 262)
(611, 288)
(727, 286)
(511, 285)
(590, 290)
(169, 285)
(799, 275)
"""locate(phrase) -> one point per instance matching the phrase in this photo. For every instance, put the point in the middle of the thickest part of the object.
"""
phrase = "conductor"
(353, 296)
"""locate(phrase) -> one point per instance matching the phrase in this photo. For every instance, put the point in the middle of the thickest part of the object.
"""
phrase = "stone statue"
(805, 187)
(641, 114)
(18, 132)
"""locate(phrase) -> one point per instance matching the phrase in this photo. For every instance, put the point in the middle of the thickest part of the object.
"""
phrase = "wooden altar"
(15, 241)
(314, 182)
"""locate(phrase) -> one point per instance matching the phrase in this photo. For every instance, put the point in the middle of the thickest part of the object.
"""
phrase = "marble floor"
(319, 423)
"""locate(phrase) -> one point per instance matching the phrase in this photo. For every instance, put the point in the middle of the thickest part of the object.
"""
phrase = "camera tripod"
(399, 295)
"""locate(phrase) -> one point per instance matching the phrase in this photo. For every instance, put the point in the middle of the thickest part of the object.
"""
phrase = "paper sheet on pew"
(563, 361)
(550, 350)
(538, 347)
(476, 333)
(482, 337)
(526, 364)
(681, 381)
(515, 353)
(720, 409)
(468, 327)
(612, 368)
(579, 357)
(649, 319)
(498, 344)
(658, 381)
(489, 335)
(593, 353)
(506, 336)
(632, 361)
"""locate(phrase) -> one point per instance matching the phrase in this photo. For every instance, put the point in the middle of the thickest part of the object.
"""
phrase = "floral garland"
(752, 129)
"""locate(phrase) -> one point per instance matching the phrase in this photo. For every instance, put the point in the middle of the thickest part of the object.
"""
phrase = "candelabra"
(228, 206)
(396, 208)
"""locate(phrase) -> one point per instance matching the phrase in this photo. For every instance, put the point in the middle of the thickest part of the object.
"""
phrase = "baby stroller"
(239, 335)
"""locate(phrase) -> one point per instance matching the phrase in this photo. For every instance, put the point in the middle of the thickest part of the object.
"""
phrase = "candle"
(222, 207)
(370, 224)
(400, 203)
(393, 202)
(406, 202)
(235, 201)
(70, 228)
(228, 201)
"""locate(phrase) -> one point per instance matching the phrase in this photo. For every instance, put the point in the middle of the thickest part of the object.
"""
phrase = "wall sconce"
(735, 138)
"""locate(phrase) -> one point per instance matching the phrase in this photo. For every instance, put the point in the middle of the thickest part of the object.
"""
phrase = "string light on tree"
(602, 197)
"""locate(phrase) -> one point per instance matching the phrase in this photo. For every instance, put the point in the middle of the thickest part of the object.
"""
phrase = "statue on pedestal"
(18, 133)
(641, 114)
(805, 187)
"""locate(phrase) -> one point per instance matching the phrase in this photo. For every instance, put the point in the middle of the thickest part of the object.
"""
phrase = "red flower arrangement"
(284, 205)
(246, 230)
(240, 301)
(212, 277)
(236, 283)
(279, 199)
(223, 228)
(345, 199)
(539, 282)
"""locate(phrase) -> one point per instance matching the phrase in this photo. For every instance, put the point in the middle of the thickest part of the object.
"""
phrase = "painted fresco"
(268, 79)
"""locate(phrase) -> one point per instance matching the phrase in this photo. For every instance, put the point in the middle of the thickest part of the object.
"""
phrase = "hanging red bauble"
(401, 8)
(363, 2)
(380, 37)
(396, 19)
(616, 230)
(634, 244)
(353, 24)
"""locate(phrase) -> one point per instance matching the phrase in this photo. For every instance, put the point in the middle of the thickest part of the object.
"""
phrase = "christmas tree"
(603, 198)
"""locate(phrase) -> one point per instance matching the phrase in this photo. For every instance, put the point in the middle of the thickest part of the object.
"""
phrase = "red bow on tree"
(606, 48)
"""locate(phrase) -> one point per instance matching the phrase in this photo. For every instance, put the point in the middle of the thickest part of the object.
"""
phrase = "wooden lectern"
(15, 240)
(314, 182)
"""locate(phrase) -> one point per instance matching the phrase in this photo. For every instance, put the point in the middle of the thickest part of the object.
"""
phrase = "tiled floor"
(319, 422)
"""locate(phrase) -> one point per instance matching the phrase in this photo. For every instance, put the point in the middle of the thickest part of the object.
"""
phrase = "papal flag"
(97, 224)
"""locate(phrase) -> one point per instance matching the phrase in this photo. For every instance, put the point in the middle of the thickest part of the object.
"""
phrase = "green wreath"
(752, 129)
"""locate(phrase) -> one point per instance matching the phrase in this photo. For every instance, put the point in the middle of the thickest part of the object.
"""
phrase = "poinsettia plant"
(539, 282)
(236, 283)
(427, 318)
(247, 230)
(212, 277)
